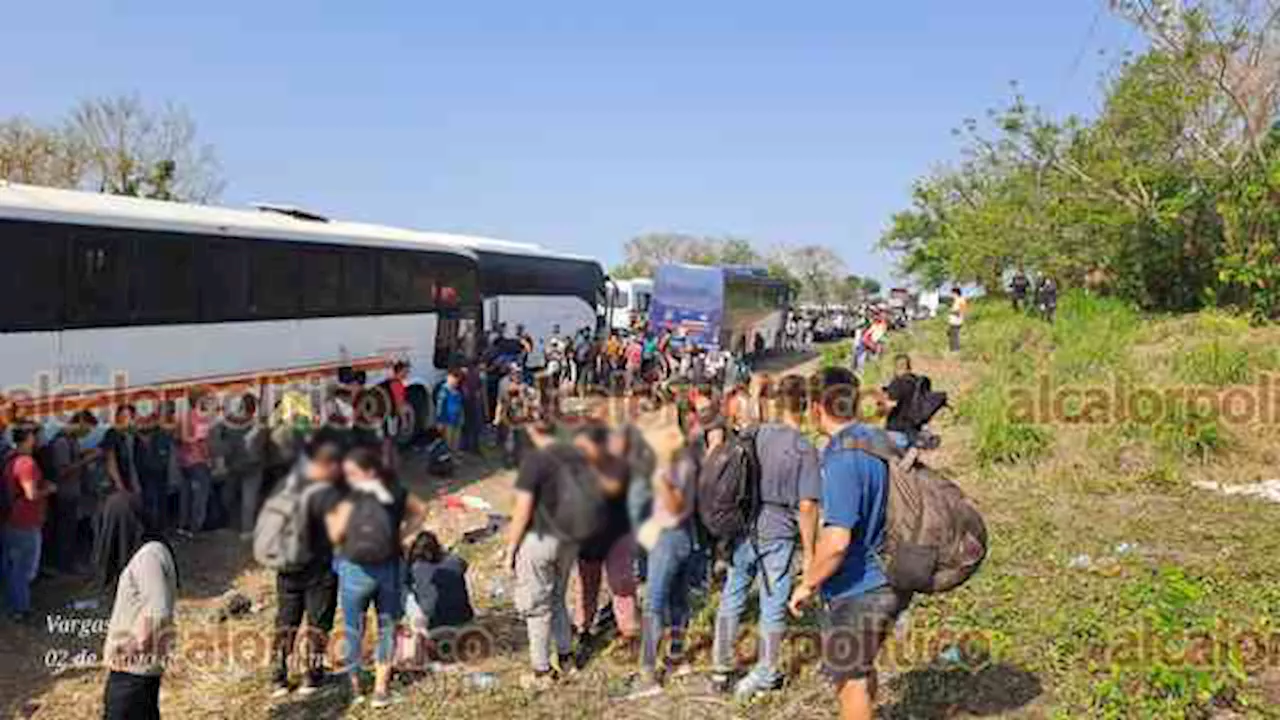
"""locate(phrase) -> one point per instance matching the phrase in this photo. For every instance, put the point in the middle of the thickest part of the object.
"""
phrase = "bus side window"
(99, 282)
(32, 275)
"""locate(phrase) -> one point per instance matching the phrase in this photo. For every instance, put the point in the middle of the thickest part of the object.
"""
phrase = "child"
(449, 410)
(437, 579)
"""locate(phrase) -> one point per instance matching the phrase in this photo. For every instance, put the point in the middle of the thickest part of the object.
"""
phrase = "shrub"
(998, 436)
(1092, 335)
(1216, 362)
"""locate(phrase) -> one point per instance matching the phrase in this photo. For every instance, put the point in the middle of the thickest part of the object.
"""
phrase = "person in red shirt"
(28, 493)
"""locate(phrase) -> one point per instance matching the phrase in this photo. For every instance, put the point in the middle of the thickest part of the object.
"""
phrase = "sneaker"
(756, 682)
(678, 667)
(380, 700)
(310, 686)
(537, 681)
(720, 683)
(357, 692)
(646, 686)
(279, 690)
(626, 649)
(567, 664)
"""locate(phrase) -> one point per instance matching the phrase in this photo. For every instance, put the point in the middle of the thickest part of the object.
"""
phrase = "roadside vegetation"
(1114, 585)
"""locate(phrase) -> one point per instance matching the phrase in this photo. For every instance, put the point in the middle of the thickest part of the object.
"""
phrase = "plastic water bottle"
(482, 681)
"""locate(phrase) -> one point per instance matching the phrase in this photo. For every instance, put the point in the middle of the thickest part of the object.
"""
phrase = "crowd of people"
(592, 496)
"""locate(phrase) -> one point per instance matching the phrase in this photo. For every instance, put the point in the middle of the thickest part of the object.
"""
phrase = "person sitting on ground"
(437, 581)
(860, 605)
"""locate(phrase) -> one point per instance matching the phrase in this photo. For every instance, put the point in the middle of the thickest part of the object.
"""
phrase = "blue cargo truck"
(738, 308)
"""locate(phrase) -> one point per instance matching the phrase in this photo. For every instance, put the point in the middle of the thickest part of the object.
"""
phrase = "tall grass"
(999, 436)
(1092, 336)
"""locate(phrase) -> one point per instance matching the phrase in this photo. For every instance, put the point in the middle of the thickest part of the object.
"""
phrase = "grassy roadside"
(1114, 589)
(1121, 589)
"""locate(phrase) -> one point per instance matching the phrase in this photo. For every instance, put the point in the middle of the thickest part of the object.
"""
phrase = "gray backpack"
(280, 537)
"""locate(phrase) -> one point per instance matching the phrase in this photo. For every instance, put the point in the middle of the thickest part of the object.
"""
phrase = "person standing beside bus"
(28, 493)
(195, 460)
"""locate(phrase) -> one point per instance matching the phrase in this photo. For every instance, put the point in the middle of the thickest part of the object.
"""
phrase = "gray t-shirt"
(789, 473)
(147, 592)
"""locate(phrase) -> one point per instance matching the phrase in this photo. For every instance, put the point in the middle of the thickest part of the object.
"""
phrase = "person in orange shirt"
(28, 492)
(955, 318)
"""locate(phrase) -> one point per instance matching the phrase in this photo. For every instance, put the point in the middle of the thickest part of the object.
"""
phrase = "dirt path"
(47, 667)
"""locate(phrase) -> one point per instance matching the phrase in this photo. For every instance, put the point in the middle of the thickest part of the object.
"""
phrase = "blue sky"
(572, 123)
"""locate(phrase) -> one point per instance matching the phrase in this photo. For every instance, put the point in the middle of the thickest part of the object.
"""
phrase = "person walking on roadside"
(312, 589)
(609, 552)
(956, 317)
(140, 632)
(1047, 298)
(542, 553)
(1018, 290)
(517, 405)
(860, 605)
(790, 487)
(365, 527)
(28, 493)
(668, 536)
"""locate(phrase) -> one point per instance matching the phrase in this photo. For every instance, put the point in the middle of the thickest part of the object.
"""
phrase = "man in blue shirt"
(860, 606)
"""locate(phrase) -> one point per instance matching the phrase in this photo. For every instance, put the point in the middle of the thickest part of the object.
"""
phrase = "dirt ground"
(48, 666)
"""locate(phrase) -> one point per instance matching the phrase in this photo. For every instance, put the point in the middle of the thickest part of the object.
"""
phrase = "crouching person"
(437, 597)
(861, 607)
(305, 583)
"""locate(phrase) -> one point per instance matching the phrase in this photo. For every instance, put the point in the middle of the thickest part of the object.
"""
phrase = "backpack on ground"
(934, 537)
(439, 458)
(727, 499)
(280, 536)
(572, 505)
(372, 537)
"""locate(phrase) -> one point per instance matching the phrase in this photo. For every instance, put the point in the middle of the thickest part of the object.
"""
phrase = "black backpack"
(371, 532)
(727, 499)
(572, 505)
(44, 457)
(6, 483)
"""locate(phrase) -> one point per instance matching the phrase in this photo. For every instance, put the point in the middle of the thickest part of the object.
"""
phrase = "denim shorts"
(854, 628)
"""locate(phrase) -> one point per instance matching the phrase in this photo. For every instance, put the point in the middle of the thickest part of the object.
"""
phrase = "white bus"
(120, 297)
(627, 302)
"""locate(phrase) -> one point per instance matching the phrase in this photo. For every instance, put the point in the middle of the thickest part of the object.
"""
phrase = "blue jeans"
(195, 499)
(21, 563)
(360, 586)
(667, 604)
(775, 561)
